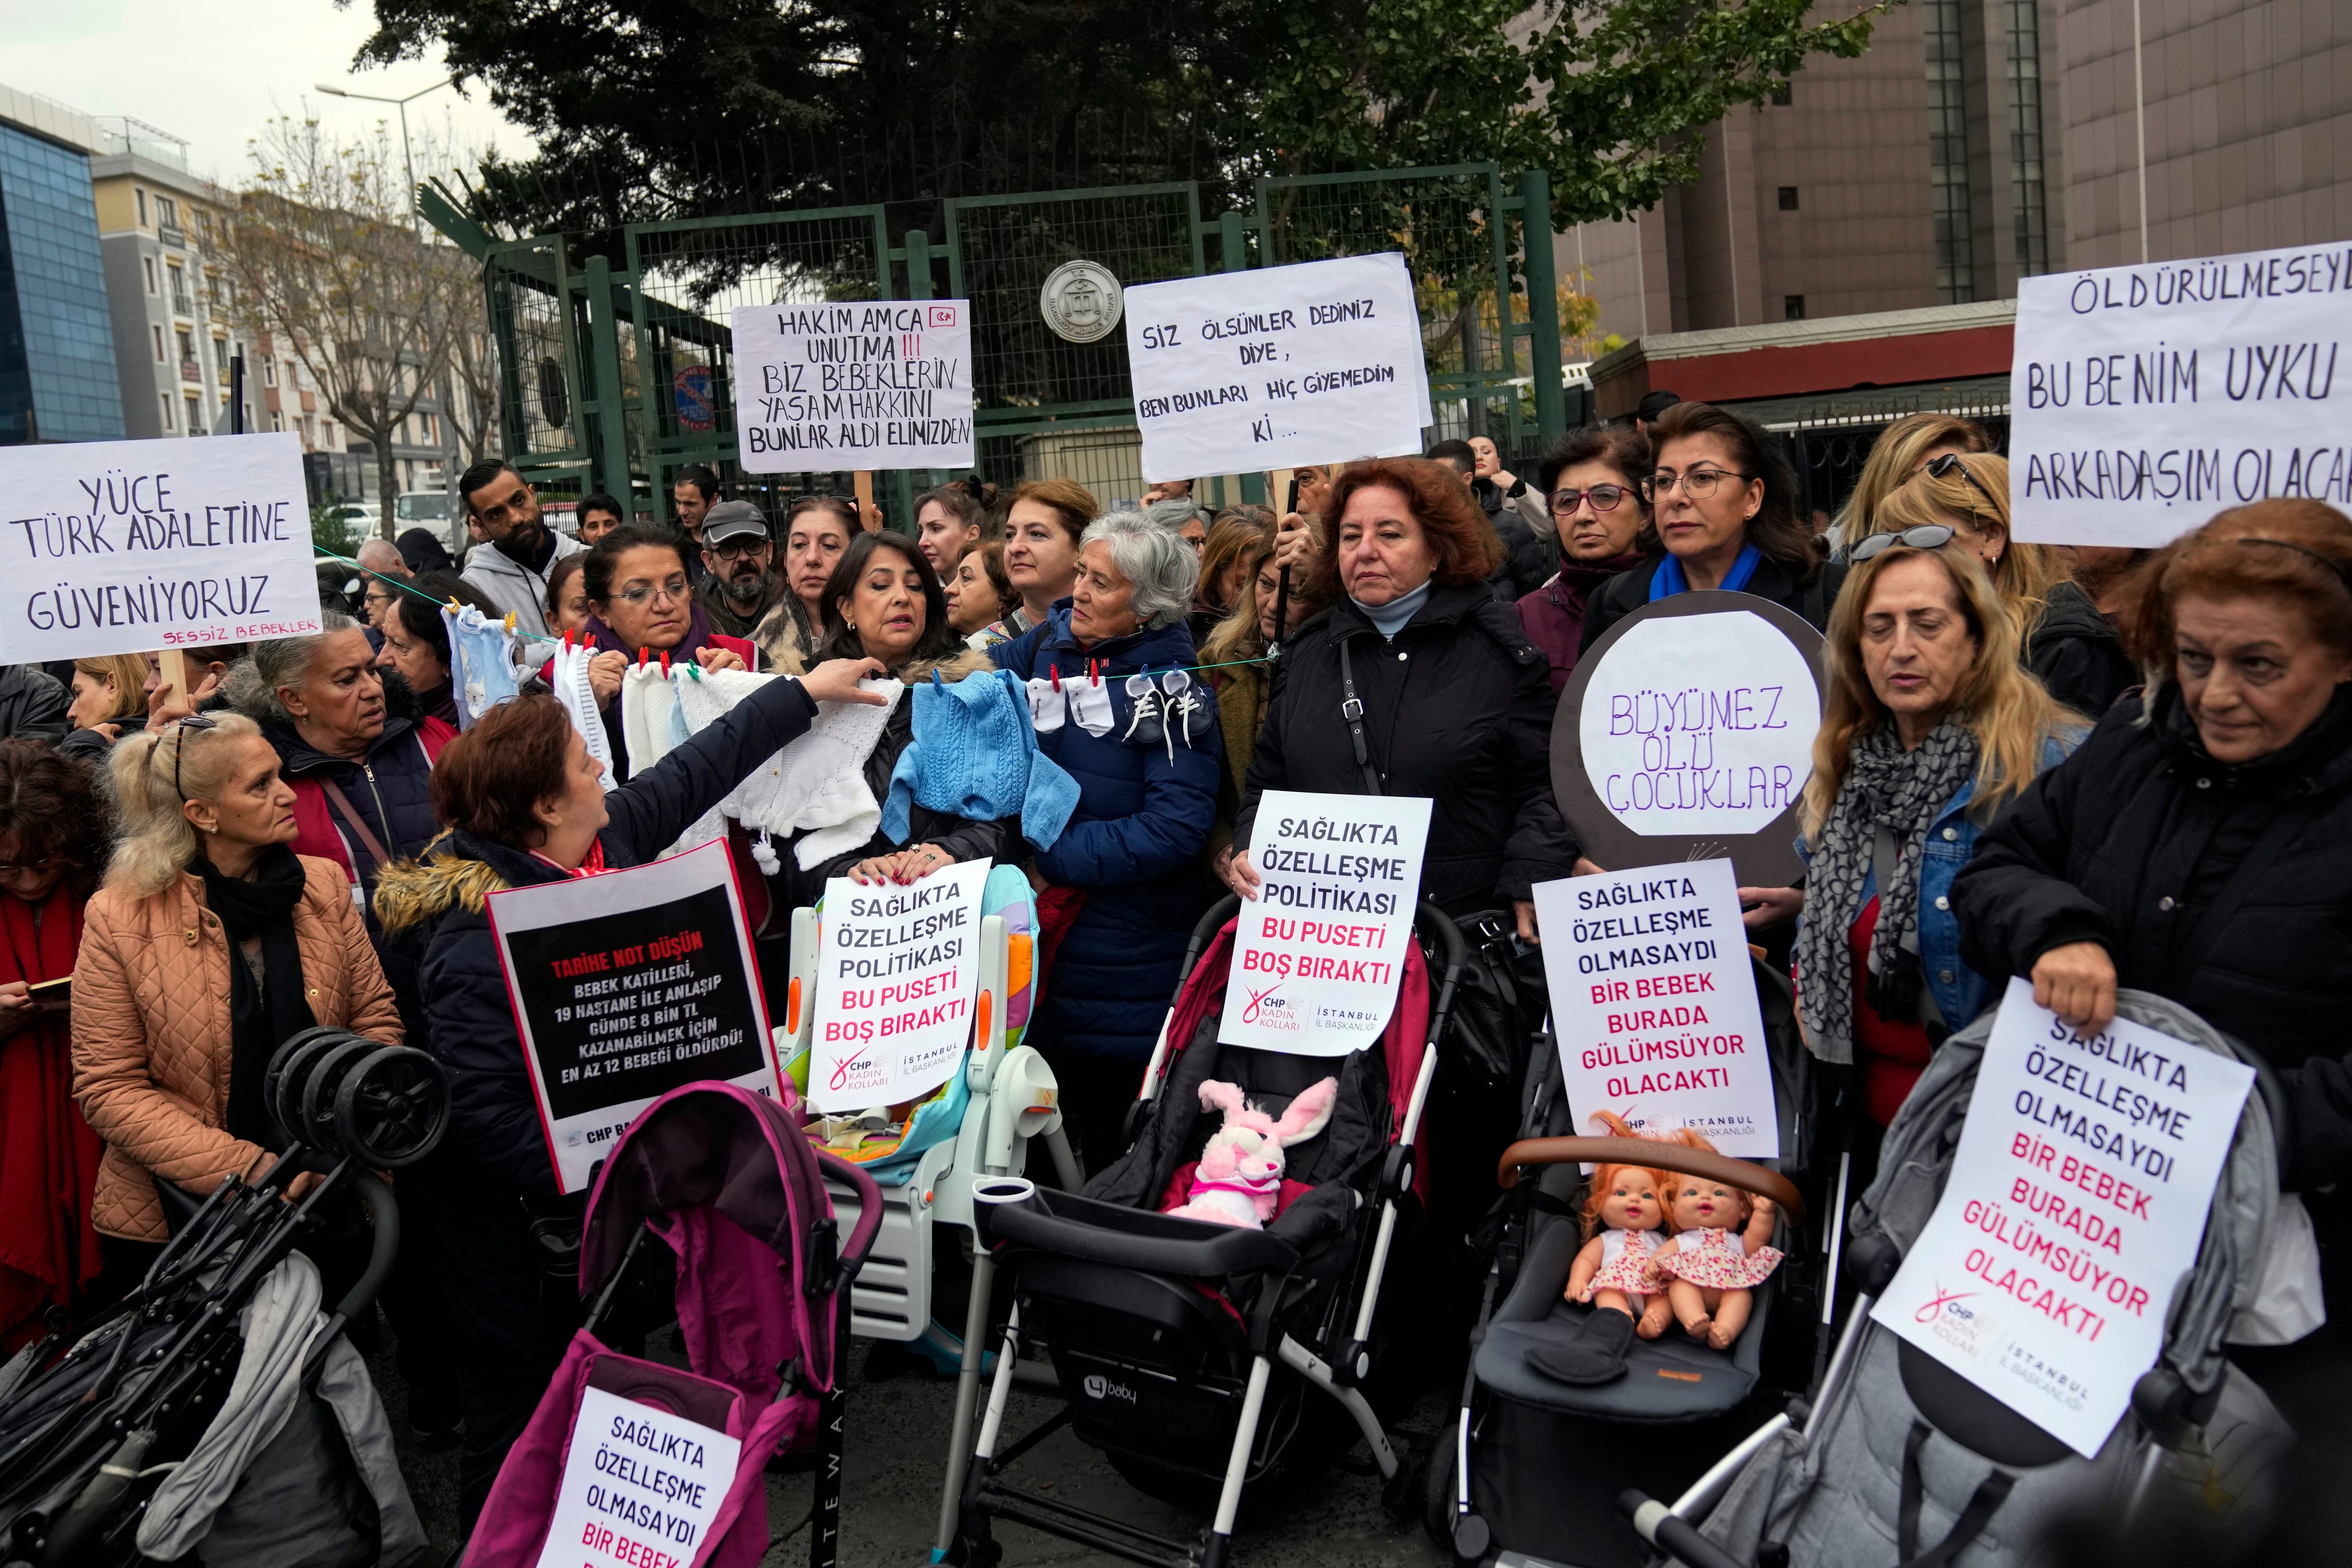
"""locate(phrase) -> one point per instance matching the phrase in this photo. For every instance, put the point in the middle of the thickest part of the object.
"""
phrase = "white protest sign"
(2076, 1202)
(1700, 724)
(1314, 362)
(2145, 399)
(126, 546)
(640, 1487)
(1653, 1003)
(626, 986)
(1319, 954)
(898, 971)
(861, 384)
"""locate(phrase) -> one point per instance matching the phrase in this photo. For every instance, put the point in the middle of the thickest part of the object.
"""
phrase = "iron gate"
(615, 377)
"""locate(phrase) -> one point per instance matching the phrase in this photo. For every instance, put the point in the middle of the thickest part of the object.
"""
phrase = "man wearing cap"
(742, 583)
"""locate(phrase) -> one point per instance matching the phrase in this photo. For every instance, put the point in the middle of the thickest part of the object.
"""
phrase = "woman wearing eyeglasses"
(210, 944)
(1723, 502)
(641, 602)
(1593, 481)
(54, 838)
(1929, 727)
(2067, 642)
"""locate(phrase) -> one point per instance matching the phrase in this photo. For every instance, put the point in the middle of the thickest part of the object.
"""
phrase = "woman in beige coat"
(210, 943)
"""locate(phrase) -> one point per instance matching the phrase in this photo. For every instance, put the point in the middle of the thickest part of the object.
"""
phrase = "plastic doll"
(1716, 1256)
(1624, 1205)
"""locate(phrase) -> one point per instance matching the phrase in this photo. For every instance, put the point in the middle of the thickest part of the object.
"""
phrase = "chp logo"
(1269, 1010)
(1100, 1387)
(1947, 1315)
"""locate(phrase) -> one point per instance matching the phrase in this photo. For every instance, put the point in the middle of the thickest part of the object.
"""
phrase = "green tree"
(674, 108)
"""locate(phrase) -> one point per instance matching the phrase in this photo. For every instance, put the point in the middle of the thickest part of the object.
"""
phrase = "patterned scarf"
(1885, 786)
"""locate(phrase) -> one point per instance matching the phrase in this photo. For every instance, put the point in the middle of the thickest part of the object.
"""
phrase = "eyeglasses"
(1604, 498)
(638, 593)
(1945, 466)
(33, 868)
(179, 752)
(738, 547)
(1927, 536)
(1698, 484)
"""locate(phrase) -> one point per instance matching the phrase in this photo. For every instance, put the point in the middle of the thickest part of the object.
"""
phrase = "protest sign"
(2077, 1201)
(898, 971)
(1314, 362)
(1653, 1003)
(1687, 734)
(126, 546)
(641, 1487)
(855, 386)
(1317, 954)
(2145, 399)
(625, 985)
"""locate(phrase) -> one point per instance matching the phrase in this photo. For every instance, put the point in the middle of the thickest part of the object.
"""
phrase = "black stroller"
(214, 1410)
(1536, 1466)
(1207, 1360)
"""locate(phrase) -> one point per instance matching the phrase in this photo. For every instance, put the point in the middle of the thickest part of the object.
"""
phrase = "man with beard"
(693, 493)
(742, 583)
(511, 568)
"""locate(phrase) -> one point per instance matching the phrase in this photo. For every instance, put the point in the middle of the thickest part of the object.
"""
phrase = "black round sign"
(1708, 739)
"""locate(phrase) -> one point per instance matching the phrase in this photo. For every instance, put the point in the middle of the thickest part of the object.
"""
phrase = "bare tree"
(326, 252)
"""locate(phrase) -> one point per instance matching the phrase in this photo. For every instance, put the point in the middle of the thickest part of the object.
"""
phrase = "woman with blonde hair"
(2065, 640)
(1902, 449)
(1930, 725)
(110, 693)
(211, 942)
(1235, 654)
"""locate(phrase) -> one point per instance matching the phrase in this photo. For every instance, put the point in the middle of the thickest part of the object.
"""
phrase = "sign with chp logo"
(897, 972)
(1317, 955)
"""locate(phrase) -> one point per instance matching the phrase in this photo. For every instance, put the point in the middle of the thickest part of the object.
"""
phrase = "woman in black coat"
(525, 804)
(1724, 503)
(2199, 846)
(1457, 701)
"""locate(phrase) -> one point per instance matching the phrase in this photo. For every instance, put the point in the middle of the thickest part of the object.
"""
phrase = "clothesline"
(543, 637)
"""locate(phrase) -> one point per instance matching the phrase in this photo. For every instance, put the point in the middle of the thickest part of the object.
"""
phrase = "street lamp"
(415, 215)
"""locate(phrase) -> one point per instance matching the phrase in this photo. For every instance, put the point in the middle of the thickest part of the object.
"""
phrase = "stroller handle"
(1658, 1156)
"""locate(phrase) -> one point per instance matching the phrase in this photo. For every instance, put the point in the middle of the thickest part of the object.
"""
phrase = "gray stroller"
(1901, 1462)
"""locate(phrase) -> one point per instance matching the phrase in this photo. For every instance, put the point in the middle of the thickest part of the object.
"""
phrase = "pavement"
(895, 1461)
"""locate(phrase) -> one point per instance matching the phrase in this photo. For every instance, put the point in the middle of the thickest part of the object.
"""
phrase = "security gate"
(615, 377)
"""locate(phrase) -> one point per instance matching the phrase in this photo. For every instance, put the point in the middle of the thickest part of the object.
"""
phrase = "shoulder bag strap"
(1986, 1502)
(352, 819)
(1352, 710)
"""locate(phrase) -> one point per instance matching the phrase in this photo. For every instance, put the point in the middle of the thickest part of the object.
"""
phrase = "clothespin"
(567, 640)
(695, 670)
(510, 623)
(1056, 670)
(936, 681)
(665, 661)
(643, 653)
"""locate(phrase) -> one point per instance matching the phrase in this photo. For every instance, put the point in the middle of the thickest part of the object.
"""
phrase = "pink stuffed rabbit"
(1239, 1173)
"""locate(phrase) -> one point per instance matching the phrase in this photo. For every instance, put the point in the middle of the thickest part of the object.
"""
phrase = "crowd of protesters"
(2091, 769)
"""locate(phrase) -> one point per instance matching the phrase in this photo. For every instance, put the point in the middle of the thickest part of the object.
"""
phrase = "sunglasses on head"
(1945, 466)
(180, 748)
(1927, 536)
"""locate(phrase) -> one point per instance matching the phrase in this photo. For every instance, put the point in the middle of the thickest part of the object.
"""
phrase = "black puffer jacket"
(2075, 653)
(1458, 708)
(2228, 889)
(1811, 597)
(494, 1168)
(32, 703)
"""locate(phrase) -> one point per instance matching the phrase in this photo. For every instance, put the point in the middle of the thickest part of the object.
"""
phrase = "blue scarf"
(1390, 618)
(1668, 579)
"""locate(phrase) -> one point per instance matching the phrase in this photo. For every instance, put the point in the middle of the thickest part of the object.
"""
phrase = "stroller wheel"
(317, 1127)
(1437, 1492)
(392, 1107)
(290, 1072)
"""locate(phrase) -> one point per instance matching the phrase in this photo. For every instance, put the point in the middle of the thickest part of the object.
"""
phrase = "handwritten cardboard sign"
(2144, 399)
(853, 384)
(1319, 954)
(1653, 1003)
(127, 546)
(625, 985)
(2076, 1202)
(898, 971)
(641, 1487)
(1316, 363)
(1687, 734)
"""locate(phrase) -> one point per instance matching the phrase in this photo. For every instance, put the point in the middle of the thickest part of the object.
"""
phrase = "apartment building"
(57, 346)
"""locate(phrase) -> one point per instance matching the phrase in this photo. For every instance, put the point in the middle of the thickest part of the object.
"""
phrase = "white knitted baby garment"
(579, 705)
(647, 695)
(814, 786)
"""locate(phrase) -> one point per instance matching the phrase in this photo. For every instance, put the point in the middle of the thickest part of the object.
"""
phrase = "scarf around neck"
(1885, 786)
(1669, 579)
(262, 1017)
(1390, 618)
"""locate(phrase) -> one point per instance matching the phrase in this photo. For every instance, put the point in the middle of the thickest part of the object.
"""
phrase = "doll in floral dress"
(1718, 1255)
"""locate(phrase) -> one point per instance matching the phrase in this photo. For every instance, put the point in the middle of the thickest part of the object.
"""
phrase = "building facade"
(58, 376)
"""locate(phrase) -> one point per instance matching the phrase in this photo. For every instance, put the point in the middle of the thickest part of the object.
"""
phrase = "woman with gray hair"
(1138, 732)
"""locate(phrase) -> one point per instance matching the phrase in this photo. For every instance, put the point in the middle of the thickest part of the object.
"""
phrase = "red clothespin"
(665, 661)
(1094, 671)
(567, 640)
(642, 655)
(1057, 671)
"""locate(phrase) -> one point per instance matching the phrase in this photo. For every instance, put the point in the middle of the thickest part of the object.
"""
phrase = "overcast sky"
(212, 71)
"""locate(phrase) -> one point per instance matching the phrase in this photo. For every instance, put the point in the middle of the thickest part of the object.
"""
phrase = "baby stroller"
(1203, 1359)
(1534, 1465)
(214, 1415)
(1899, 1459)
(723, 1178)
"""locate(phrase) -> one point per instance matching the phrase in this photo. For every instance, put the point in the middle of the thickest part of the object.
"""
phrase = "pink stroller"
(727, 1179)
